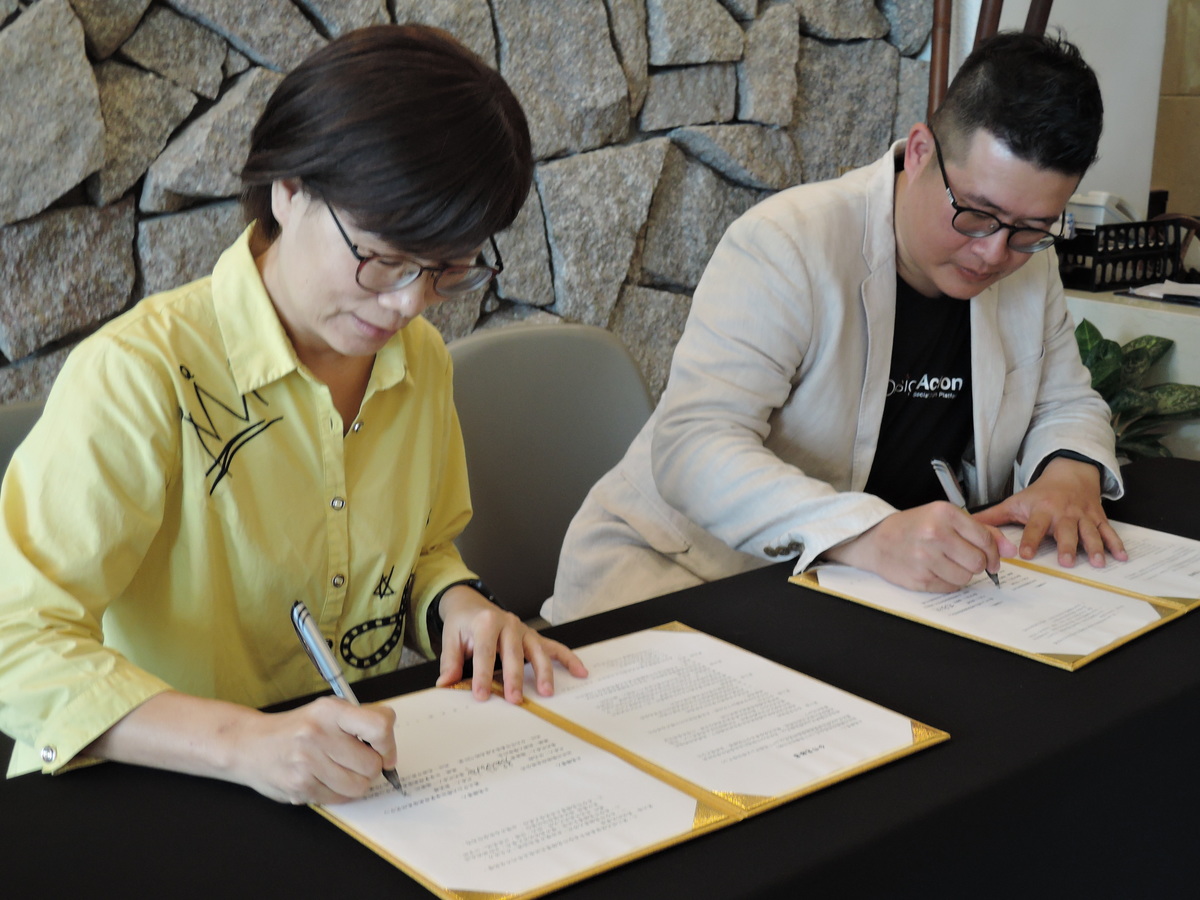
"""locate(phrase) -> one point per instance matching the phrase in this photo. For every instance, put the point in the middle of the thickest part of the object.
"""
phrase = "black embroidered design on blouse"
(396, 621)
(209, 430)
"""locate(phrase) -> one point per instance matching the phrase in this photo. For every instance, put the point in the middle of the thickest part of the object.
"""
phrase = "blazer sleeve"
(739, 359)
(1068, 413)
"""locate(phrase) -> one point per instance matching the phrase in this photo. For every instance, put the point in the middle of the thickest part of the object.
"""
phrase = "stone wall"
(123, 124)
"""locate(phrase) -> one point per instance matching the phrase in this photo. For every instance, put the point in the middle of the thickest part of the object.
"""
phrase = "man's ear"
(919, 151)
(286, 196)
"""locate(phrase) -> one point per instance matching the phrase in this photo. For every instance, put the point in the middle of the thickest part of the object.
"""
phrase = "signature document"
(674, 734)
(1062, 616)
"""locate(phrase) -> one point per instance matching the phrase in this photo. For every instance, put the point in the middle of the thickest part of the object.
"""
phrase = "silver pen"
(949, 482)
(327, 665)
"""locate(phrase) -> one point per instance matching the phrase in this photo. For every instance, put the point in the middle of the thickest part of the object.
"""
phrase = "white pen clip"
(953, 491)
(949, 482)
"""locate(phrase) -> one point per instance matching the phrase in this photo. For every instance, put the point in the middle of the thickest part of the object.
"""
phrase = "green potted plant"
(1140, 413)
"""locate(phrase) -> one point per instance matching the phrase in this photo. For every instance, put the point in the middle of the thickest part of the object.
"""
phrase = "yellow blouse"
(188, 481)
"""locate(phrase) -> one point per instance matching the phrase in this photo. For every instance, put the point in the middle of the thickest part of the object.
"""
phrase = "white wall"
(1123, 41)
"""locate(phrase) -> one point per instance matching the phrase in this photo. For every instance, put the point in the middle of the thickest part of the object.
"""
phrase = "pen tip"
(995, 576)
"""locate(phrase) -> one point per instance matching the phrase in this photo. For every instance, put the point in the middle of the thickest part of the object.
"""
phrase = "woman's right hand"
(327, 751)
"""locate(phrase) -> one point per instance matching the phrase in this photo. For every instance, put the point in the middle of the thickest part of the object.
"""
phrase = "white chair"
(545, 411)
(15, 421)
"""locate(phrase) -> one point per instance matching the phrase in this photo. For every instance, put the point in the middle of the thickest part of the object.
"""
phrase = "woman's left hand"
(471, 625)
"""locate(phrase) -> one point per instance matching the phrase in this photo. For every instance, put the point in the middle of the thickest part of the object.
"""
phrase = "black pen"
(949, 483)
(327, 665)
(1189, 299)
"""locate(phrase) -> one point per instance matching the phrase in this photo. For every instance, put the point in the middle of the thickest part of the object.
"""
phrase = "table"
(1066, 783)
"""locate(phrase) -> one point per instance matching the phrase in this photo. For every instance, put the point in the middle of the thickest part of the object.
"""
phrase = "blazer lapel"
(987, 385)
(879, 309)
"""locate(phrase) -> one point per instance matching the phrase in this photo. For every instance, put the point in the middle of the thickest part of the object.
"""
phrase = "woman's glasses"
(380, 275)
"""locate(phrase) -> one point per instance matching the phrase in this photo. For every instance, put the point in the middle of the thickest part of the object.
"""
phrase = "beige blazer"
(765, 434)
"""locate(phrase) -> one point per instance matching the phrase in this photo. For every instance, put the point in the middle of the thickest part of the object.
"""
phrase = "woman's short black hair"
(1034, 93)
(410, 133)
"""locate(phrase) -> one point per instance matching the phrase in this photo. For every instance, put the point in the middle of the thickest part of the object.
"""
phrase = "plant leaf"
(1131, 402)
(1145, 448)
(1135, 362)
(1175, 399)
(1104, 361)
(1151, 425)
(1139, 414)
(1087, 336)
(1155, 346)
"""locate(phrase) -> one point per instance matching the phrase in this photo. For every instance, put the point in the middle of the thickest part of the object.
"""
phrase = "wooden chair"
(989, 21)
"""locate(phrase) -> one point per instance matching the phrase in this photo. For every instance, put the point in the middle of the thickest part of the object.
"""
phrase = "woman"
(282, 430)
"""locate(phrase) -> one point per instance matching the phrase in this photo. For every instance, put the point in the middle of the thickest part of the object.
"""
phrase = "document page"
(1031, 611)
(498, 801)
(720, 717)
(1159, 564)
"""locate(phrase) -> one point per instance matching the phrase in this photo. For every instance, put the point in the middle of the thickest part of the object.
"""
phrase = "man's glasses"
(382, 276)
(976, 223)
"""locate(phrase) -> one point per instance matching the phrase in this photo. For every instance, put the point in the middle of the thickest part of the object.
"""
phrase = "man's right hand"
(935, 547)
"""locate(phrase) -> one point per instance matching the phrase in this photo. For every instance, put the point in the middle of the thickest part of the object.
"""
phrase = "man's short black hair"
(1034, 93)
(403, 128)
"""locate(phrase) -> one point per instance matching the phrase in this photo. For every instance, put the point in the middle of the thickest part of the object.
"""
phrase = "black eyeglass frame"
(438, 270)
(1047, 240)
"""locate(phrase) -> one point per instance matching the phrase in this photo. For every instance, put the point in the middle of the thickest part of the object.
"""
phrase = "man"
(846, 333)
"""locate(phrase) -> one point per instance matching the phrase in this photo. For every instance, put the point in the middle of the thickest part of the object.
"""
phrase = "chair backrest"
(985, 27)
(15, 421)
(545, 411)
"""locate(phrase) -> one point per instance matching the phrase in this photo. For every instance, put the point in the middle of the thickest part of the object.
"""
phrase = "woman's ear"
(287, 199)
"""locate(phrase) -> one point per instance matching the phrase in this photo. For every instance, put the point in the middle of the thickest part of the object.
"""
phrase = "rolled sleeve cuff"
(72, 728)
(1111, 486)
(850, 516)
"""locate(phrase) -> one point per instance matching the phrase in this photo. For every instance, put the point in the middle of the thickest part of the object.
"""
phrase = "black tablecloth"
(1054, 782)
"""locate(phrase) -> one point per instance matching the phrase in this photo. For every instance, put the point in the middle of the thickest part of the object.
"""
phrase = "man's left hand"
(1063, 502)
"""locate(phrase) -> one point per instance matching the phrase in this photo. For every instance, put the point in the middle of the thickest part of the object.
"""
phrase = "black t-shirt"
(927, 412)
